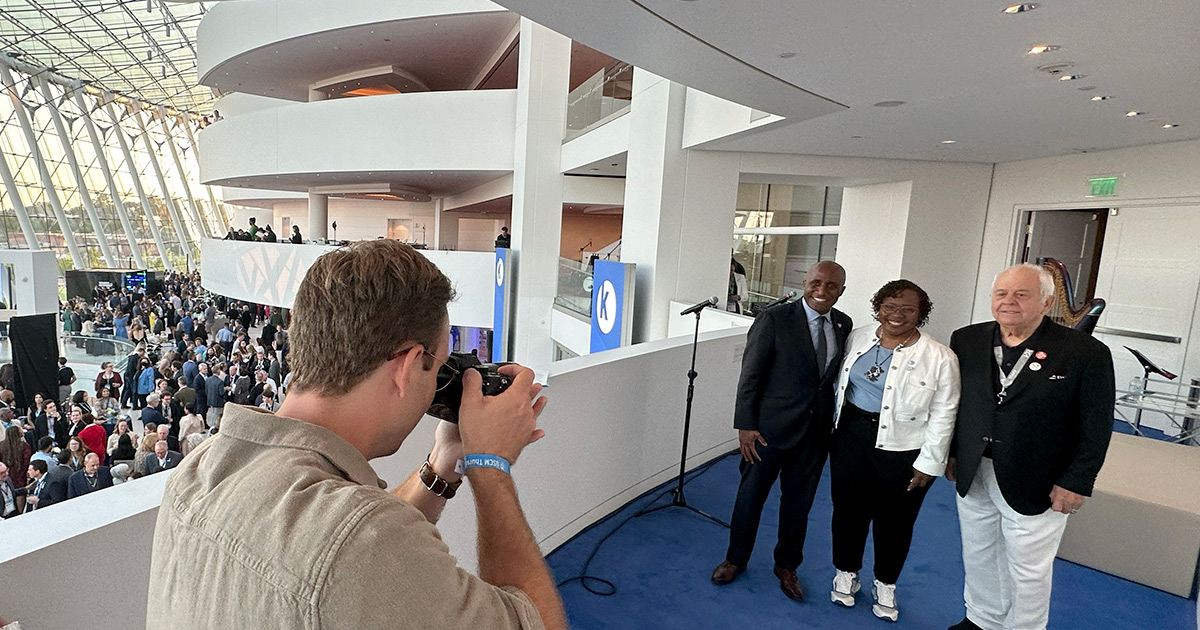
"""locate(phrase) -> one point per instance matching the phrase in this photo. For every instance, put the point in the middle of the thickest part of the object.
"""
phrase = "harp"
(1081, 317)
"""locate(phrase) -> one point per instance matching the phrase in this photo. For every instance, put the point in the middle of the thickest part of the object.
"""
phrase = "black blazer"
(77, 485)
(173, 458)
(1054, 425)
(780, 393)
(55, 488)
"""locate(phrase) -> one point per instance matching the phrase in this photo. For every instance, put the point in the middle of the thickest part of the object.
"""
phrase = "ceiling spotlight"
(1131, 114)
(1043, 48)
(1170, 126)
(889, 103)
(1101, 97)
(949, 141)
(856, 137)
(787, 55)
(1019, 8)
(1071, 77)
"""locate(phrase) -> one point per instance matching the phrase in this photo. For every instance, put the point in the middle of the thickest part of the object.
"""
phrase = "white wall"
(711, 118)
(873, 222)
(359, 219)
(35, 280)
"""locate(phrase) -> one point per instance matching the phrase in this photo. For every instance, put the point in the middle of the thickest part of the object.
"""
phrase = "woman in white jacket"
(897, 397)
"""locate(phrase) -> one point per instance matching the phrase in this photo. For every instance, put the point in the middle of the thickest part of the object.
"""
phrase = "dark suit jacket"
(16, 492)
(173, 458)
(55, 489)
(77, 485)
(780, 393)
(152, 414)
(1055, 422)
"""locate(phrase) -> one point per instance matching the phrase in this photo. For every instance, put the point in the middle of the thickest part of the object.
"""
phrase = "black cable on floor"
(611, 589)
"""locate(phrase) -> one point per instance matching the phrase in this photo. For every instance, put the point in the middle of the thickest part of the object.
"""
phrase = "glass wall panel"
(776, 263)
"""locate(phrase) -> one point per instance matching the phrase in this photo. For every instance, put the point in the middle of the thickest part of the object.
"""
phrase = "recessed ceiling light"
(1170, 126)
(1131, 114)
(1071, 77)
(1101, 97)
(949, 141)
(787, 55)
(1043, 48)
(856, 137)
(889, 103)
(1019, 8)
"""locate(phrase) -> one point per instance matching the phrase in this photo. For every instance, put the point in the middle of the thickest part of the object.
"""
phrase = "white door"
(1150, 276)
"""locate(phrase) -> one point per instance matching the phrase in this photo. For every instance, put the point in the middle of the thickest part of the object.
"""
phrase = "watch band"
(436, 484)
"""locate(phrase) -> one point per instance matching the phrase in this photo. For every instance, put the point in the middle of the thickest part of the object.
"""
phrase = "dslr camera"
(450, 387)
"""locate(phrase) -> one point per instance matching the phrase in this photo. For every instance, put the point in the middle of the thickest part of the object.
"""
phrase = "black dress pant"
(799, 471)
(870, 485)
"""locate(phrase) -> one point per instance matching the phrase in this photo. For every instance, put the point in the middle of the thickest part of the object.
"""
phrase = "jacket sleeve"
(954, 434)
(943, 410)
(756, 359)
(1097, 399)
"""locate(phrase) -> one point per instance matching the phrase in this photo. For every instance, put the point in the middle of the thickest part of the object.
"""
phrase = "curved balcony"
(439, 142)
(282, 48)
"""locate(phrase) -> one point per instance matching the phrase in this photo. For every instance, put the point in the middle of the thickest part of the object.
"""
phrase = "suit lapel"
(1044, 345)
(805, 332)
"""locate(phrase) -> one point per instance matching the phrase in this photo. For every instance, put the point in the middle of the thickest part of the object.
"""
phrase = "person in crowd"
(106, 406)
(1033, 427)
(15, 454)
(504, 239)
(12, 496)
(45, 451)
(55, 487)
(7, 420)
(216, 387)
(146, 447)
(145, 383)
(191, 430)
(120, 324)
(93, 477)
(164, 434)
(269, 470)
(152, 414)
(80, 399)
(56, 425)
(114, 439)
(37, 483)
(77, 423)
(94, 436)
(198, 384)
(162, 459)
(123, 449)
(268, 234)
(268, 401)
(77, 451)
(891, 438)
(296, 239)
(108, 378)
(66, 378)
(253, 230)
(784, 416)
(184, 396)
(242, 384)
(738, 292)
(132, 370)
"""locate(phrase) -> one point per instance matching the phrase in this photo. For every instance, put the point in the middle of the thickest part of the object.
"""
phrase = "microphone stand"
(677, 497)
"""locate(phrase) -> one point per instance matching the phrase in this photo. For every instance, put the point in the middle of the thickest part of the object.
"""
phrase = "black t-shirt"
(65, 374)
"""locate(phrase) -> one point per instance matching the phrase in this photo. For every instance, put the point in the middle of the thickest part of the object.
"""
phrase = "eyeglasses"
(907, 311)
(454, 372)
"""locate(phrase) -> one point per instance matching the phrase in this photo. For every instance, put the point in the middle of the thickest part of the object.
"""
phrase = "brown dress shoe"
(726, 572)
(790, 584)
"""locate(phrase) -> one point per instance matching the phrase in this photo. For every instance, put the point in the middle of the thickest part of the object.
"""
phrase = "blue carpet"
(660, 564)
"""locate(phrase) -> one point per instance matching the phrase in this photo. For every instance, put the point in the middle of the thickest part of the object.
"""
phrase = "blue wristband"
(485, 460)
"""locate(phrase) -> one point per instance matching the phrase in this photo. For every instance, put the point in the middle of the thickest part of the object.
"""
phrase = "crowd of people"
(265, 234)
(193, 353)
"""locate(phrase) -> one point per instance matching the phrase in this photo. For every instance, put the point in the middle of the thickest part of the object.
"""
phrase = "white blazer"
(920, 397)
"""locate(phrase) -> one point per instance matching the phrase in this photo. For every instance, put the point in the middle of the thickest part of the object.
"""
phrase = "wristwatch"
(436, 484)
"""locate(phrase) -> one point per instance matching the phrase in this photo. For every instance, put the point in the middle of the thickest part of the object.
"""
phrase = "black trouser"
(799, 471)
(871, 485)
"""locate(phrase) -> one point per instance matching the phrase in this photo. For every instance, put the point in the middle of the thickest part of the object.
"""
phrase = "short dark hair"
(894, 289)
(39, 466)
(62, 360)
(45, 443)
(63, 456)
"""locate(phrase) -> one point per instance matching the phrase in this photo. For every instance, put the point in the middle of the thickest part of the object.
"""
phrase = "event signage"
(612, 305)
(500, 323)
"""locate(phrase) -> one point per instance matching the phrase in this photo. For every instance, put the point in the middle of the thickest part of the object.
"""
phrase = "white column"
(542, 80)
(318, 217)
(102, 160)
(14, 197)
(445, 228)
(185, 238)
(84, 196)
(35, 154)
(201, 227)
(139, 189)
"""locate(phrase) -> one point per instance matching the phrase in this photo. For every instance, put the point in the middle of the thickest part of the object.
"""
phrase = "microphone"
(777, 302)
(712, 301)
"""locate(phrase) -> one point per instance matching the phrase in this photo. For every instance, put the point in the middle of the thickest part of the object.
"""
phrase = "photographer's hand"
(500, 425)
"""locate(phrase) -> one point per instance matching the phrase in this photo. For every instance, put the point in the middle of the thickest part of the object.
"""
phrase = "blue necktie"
(822, 346)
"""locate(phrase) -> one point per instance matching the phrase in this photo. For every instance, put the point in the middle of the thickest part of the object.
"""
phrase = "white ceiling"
(960, 65)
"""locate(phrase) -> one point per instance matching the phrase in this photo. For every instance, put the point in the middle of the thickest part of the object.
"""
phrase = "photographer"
(280, 521)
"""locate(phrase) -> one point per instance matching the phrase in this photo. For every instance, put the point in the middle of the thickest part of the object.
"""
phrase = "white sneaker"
(845, 585)
(885, 601)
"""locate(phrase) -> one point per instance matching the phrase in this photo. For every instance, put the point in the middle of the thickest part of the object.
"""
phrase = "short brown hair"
(357, 306)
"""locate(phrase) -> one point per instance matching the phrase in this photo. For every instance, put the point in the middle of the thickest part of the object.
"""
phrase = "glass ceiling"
(145, 49)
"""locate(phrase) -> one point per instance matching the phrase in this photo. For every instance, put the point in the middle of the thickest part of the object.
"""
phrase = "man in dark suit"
(1033, 427)
(162, 459)
(784, 416)
(55, 490)
(152, 412)
(93, 477)
(8, 494)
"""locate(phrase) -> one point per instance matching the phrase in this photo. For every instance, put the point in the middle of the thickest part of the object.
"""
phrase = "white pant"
(1008, 557)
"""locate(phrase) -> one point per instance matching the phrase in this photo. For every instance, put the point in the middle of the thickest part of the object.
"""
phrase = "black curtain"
(35, 357)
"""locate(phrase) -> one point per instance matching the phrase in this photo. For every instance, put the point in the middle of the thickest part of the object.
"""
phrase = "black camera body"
(450, 388)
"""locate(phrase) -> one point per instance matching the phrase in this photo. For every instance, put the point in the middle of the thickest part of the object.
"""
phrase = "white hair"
(1045, 278)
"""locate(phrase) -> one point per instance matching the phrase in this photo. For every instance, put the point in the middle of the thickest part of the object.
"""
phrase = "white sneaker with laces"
(885, 601)
(845, 585)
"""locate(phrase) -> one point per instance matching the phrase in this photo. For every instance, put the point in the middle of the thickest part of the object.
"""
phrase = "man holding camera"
(280, 520)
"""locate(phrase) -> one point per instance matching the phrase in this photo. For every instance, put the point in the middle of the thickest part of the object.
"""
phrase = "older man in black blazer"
(93, 477)
(784, 416)
(162, 458)
(1033, 427)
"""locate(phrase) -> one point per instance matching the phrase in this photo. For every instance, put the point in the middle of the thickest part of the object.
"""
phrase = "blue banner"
(499, 332)
(608, 305)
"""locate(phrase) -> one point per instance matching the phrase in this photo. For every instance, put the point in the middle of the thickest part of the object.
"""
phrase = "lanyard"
(1007, 379)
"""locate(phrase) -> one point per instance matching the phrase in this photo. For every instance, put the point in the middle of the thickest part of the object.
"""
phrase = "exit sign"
(1103, 186)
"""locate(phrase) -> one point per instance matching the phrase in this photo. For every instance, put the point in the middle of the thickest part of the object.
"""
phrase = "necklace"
(875, 371)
